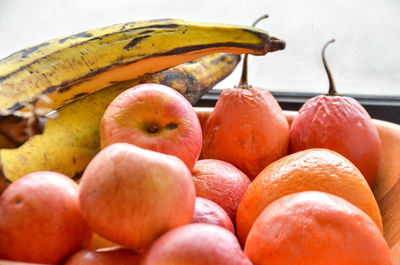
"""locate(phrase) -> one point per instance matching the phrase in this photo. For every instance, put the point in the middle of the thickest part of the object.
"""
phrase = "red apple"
(206, 211)
(220, 182)
(40, 220)
(154, 117)
(131, 196)
(196, 244)
(106, 256)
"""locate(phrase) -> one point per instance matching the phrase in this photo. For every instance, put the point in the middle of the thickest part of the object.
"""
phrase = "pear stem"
(332, 89)
(259, 19)
(243, 79)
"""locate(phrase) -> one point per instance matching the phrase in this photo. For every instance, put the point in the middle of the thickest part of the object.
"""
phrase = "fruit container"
(386, 188)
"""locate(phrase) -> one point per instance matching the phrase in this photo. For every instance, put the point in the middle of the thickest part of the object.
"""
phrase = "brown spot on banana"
(83, 35)
(127, 25)
(26, 52)
(135, 42)
(146, 32)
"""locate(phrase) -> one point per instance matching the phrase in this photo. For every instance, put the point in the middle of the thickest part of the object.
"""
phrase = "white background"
(365, 59)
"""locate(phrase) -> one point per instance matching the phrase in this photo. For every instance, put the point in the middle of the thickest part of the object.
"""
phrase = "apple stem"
(243, 79)
(332, 89)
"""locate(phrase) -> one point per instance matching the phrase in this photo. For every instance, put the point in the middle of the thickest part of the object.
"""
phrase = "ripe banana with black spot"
(70, 141)
(196, 78)
(69, 68)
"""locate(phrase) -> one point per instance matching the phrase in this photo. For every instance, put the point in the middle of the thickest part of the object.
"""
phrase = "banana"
(70, 141)
(69, 68)
(13, 129)
(196, 78)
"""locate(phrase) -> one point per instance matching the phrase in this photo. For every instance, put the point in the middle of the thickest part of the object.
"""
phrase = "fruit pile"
(158, 181)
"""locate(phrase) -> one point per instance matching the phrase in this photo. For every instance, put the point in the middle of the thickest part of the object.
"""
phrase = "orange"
(315, 227)
(312, 169)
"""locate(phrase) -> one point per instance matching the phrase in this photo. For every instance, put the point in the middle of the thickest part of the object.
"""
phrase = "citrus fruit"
(313, 169)
(315, 227)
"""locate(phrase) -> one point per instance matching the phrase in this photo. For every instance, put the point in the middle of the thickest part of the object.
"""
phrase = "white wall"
(365, 58)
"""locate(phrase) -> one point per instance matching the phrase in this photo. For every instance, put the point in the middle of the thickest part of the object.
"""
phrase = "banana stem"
(332, 89)
(243, 83)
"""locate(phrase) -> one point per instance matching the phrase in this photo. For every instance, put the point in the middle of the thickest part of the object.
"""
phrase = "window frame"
(385, 108)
